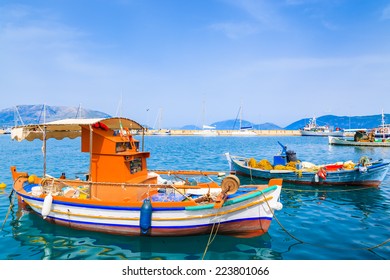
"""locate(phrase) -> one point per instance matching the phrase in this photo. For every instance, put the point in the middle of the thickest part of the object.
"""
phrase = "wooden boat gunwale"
(338, 141)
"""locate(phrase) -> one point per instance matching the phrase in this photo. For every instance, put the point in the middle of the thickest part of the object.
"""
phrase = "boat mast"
(383, 125)
(17, 116)
(78, 113)
(158, 121)
(240, 117)
(203, 114)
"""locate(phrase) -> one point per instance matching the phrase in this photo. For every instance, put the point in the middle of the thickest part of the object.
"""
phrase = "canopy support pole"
(44, 151)
(90, 152)
(143, 138)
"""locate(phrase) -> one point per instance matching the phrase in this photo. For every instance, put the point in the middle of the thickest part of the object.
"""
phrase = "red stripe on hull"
(372, 183)
(325, 183)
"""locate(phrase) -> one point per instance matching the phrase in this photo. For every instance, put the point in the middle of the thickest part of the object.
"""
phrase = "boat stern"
(15, 174)
(276, 186)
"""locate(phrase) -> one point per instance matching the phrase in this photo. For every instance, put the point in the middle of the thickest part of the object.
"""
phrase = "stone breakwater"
(181, 132)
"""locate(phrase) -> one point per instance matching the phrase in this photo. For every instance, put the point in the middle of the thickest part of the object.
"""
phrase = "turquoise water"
(314, 224)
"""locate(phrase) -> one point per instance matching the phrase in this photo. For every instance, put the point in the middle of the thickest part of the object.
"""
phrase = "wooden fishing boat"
(121, 196)
(383, 131)
(349, 142)
(363, 173)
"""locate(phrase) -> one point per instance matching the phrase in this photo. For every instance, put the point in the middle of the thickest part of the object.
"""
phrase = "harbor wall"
(182, 132)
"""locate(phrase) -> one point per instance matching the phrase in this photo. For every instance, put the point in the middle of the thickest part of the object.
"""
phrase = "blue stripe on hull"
(53, 220)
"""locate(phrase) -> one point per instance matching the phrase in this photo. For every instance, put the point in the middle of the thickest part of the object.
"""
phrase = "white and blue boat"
(366, 172)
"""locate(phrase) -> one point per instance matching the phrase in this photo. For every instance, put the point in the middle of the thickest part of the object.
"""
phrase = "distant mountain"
(34, 114)
(235, 124)
(343, 122)
(190, 127)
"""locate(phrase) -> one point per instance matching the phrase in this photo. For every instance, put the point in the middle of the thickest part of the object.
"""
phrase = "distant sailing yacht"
(160, 131)
(207, 130)
(244, 130)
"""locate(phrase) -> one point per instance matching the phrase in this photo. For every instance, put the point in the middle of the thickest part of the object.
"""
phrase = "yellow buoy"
(31, 178)
(2, 185)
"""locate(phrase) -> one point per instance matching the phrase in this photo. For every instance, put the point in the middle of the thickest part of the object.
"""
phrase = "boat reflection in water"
(49, 241)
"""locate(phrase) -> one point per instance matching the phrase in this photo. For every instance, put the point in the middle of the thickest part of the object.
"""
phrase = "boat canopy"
(70, 128)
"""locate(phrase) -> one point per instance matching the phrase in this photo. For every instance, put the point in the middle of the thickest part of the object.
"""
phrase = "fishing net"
(348, 165)
(280, 167)
(264, 164)
(252, 163)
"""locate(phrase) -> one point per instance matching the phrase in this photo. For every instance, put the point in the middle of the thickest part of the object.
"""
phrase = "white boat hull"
(250, 215)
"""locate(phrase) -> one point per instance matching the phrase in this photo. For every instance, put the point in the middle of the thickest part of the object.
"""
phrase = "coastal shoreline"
(183, 132)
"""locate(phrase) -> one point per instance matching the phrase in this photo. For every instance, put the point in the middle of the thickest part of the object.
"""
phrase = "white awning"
(70, 128)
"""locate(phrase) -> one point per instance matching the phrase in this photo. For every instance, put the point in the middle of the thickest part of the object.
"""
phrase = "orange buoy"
(322, 173)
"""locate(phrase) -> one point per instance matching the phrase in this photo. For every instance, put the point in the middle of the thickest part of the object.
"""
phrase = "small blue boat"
(363, 173)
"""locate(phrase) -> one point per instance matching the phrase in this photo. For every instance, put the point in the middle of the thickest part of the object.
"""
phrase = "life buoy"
(103, 126)
(322, 173)
(100, 125)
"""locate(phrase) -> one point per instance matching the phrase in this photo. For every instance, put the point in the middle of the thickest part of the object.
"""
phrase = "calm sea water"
(314, 224)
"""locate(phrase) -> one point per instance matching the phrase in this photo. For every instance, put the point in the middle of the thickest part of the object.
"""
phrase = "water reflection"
(337, 217)
(48, 241)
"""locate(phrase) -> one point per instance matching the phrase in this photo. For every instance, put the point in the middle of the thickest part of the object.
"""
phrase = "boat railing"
(78, 183)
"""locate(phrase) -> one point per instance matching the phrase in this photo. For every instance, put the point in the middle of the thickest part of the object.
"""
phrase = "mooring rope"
(211, 237)
(213, 234)
(11, 199)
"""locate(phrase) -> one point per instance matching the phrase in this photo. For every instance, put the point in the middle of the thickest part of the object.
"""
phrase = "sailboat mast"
(160, 119)
(240, 117)
(17, 116)
(203, 113)
(78, 113)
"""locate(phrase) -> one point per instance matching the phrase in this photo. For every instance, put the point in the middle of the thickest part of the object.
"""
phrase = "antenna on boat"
(44, 140)
(119, 108)
(383, 124)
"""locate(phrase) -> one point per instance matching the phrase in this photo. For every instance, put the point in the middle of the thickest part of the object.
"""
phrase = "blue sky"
(198, 61)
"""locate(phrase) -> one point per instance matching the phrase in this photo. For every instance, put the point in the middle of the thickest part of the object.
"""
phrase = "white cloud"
(260, 15)
(55, 61)
(386, 13)
(263, 12)
(235, 30)
(307, 63)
